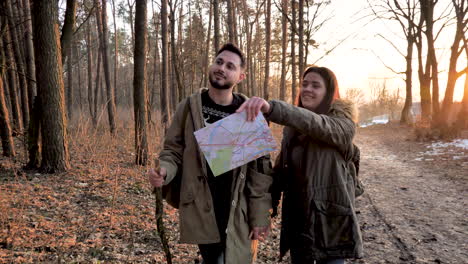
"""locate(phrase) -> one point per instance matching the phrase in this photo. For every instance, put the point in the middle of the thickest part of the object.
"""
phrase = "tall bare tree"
(284, 46)
(461, 12)
(11, 80)
(69, 92)
(68, 28)
(139, 84)
(116, 50)
(216, 30)
(301, 36)
(105, 59)
(267, 48)
(29, 57)
(20, 68)
(5, 129)
(165, 113)
(405, 16)
(55, 157)
(293, 51)
(89, 50)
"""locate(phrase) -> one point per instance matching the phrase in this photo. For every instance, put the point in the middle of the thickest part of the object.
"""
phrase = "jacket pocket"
(333, 225)
(187, 195)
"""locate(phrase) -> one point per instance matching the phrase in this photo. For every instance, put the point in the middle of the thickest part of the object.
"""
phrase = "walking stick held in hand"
(159, 219)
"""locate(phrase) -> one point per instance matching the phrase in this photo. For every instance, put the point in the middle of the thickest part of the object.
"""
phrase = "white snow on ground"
(440, 148)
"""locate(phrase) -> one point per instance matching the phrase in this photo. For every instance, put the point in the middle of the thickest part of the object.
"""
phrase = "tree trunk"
(164, 67)
(230, 21)
(77, 59)
(406, 117)
(428, 13)
(301, 37)
(105, 58)
(155, 99)
(461, 11)
(248, 31)
(69, 94)
(90, 73)
(216, 24)
(293, 54)
(51, 89)
(68, 28)
(116, 52)
(267, 49)
(5, 129)
(424, 73)
(21, 73)
(180, 88)
(29, 58)
(14, 102)
(139, 84)
(284, 46)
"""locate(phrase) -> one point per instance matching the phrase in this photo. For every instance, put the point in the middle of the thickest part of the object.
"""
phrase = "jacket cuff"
(171, 170)
(260, 219)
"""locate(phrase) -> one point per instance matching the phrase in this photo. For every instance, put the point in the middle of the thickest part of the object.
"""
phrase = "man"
(221, 214)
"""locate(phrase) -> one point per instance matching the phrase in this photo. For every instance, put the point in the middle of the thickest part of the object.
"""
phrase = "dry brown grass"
(101, 209)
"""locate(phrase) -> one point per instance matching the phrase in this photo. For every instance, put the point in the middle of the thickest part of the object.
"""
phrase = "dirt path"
(411, 212)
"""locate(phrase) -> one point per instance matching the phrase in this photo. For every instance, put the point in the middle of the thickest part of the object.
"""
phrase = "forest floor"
(102, 211)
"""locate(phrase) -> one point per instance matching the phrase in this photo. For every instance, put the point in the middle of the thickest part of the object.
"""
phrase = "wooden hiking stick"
(159, 219)
(254, 249)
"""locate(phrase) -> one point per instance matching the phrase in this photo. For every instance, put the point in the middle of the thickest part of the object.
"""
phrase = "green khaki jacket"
(251, 197)
(316, 174)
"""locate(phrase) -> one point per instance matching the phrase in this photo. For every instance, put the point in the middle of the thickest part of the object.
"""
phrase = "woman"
(315, 171)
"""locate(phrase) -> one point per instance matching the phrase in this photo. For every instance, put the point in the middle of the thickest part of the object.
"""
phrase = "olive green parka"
(250, 194)
(316, 174)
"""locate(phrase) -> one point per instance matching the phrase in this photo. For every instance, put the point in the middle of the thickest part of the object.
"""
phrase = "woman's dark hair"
(331, 84)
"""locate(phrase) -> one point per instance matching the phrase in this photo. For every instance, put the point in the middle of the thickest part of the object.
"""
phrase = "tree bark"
(90, 73)
(406, 117)
(116, 52)
(68, 28)
(267, 48)
(293, 54)
(301, 37)
(139, 84)
(29, 58)
(230, 21)
(424, 70)
(14, 102)
(216, 25)
(51, 89)
(69, 94)
(21, 73)
(284, 46)
(461, 11)
(165, 114)
(105, 59)
(5, 130)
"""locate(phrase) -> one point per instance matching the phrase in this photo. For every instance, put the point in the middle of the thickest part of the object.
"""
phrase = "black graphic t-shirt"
(220, 186)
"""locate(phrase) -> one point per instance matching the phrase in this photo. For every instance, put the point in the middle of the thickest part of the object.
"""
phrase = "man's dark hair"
(233, 48)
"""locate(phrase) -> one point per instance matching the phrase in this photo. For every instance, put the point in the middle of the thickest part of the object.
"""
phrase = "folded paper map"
(233, 141)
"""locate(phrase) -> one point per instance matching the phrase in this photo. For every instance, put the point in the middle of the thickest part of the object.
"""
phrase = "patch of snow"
(439, 148)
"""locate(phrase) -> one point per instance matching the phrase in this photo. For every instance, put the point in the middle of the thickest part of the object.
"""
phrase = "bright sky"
(355, 62)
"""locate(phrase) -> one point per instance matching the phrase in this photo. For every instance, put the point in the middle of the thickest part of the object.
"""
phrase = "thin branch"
(393, 45)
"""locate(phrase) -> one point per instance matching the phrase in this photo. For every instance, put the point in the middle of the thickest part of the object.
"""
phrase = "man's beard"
(218, 86)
